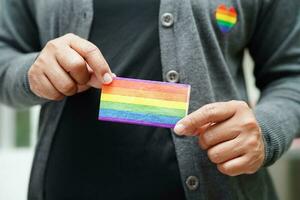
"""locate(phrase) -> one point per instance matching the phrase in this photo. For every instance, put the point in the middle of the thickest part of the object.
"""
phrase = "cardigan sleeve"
(19, 47)
(275, 48)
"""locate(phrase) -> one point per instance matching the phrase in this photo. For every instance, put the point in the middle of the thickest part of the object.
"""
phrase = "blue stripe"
(224, 29)
(138, 116)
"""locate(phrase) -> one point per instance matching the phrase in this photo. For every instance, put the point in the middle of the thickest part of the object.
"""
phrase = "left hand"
(230, 134)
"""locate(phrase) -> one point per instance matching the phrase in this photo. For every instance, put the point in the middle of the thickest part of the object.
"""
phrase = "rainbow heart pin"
(226, 17)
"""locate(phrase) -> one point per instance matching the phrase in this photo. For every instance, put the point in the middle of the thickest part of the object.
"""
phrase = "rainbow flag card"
(149, 103)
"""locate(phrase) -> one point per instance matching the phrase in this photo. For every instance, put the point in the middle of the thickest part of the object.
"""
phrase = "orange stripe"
(145, 94)
(226, 12)
(146, 86)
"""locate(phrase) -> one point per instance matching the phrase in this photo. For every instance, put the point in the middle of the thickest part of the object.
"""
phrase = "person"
(58, 54)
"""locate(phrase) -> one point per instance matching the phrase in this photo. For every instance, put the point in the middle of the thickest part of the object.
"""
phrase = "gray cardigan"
(206, 58)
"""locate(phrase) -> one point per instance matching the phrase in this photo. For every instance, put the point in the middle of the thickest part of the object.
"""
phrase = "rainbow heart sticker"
(226, 17)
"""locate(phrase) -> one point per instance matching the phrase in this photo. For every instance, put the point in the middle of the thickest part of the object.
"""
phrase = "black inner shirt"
(93, 160)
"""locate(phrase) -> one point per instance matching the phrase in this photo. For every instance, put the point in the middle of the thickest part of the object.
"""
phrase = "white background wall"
(15, 163)
(14, 173)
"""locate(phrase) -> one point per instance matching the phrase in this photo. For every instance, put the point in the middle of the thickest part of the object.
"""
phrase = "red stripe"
(147, 86)
(227, 11)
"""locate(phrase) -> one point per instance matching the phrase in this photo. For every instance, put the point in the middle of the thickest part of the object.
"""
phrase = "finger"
(61, 79)
(226, 151)
(93, 57)
(201, 130)
(218, 133)
(74, 64)
(47, 90)
(94, 81)
(234, 167)
(210, 113)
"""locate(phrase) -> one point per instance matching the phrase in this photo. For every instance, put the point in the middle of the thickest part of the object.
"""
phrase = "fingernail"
(114, 75)
(107, 78)
(179, 129)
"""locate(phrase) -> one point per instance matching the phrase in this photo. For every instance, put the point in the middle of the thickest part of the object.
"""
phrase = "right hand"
(66, 66)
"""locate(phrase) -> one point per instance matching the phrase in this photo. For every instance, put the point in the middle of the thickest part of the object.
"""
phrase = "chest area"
(232, 18)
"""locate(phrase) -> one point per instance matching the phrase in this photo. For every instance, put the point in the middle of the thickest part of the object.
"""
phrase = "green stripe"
(143, 109)
(224, 23)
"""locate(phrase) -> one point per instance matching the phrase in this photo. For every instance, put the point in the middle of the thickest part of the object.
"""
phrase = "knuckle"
(52, 44)
(56, 97)
(38, 64)
(70, 35)
(33, 72)
(69, 88)
(224, 169)
(250, 124)
(210, 110)
(53, 95)
(213, 155)
(191, 121)
(252, 141)
(91, 49)
(243, 104)
(207, 138)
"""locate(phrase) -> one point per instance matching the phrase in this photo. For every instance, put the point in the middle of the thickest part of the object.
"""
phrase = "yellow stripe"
(226, 18)
(143, 101)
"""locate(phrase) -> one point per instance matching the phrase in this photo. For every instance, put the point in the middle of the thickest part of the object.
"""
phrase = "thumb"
(209, 113)
(94, 81)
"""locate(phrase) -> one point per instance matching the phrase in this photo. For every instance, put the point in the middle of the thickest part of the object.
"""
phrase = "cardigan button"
(172, 76)
(85, 15)
(192, 183)
(167, 19)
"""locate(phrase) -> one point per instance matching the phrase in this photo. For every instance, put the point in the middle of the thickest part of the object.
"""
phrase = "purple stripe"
(129, 121)
(225, 29)
(155, 82)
